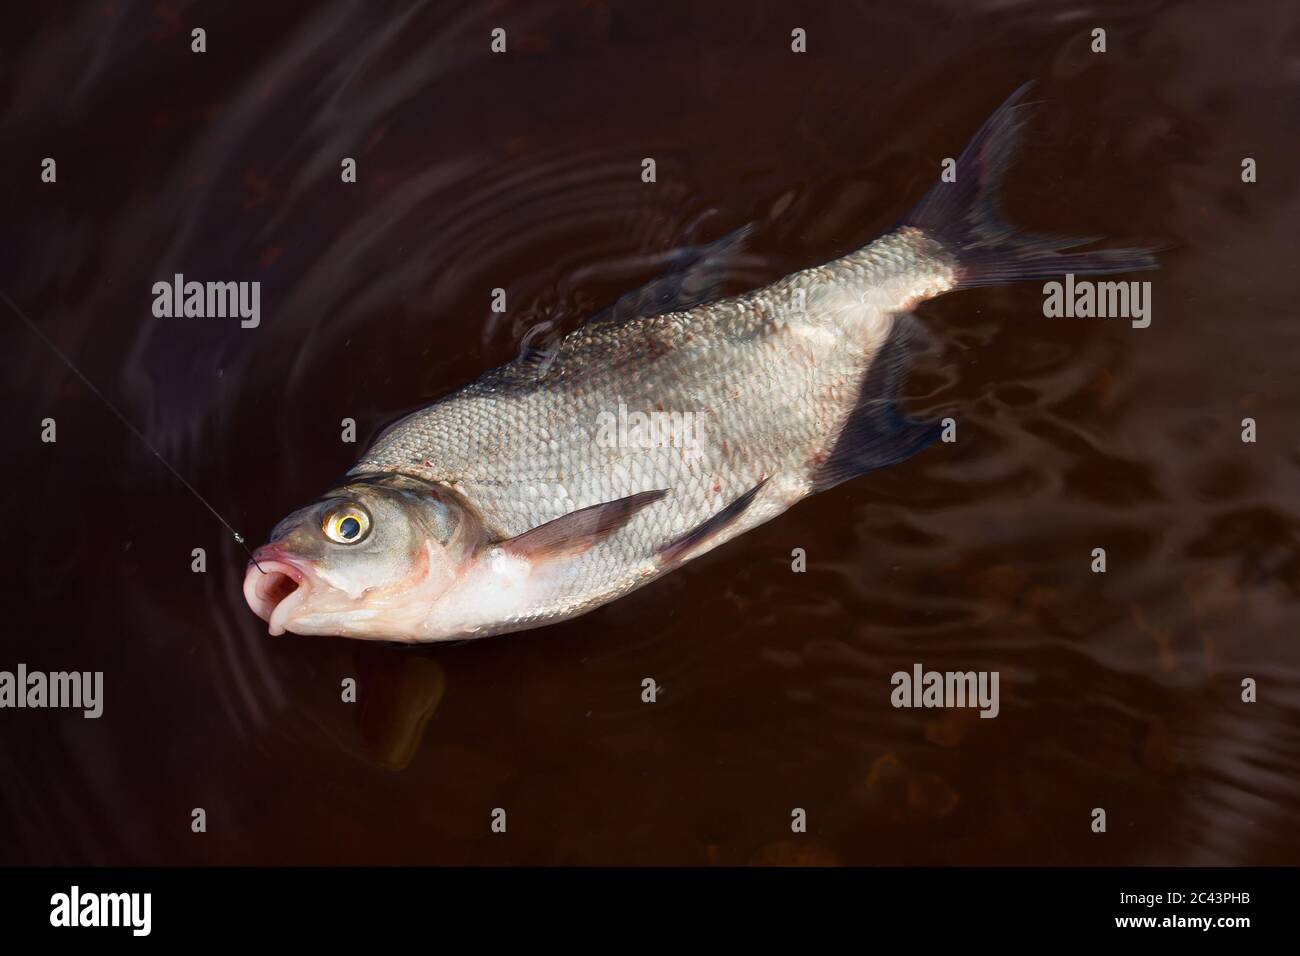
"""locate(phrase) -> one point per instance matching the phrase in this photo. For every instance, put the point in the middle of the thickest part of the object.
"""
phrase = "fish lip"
(259, 583)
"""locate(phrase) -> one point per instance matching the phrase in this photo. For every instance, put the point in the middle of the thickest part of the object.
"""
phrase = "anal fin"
(680, 547)
(877, 433)
(575, 533)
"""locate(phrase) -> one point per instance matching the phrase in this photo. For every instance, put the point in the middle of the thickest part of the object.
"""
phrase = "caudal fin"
(965, 218)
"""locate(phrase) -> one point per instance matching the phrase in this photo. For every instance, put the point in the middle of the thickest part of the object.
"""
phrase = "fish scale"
(505, 505)
(772, 386)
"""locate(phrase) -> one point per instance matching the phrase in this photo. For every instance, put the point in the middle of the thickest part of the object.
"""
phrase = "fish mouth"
(275, 587)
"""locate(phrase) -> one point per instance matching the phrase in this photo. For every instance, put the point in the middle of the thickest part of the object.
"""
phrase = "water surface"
(522, 171)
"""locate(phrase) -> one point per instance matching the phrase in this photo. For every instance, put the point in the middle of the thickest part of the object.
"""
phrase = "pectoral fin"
(575, 533)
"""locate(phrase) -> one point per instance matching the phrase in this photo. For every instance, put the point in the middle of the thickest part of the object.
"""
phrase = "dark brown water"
(522, 171)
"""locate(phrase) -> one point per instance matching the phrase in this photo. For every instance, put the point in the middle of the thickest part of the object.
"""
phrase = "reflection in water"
(522, 172)
(398, 695)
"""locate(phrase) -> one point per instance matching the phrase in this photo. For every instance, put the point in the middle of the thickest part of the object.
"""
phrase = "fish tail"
(964, 216)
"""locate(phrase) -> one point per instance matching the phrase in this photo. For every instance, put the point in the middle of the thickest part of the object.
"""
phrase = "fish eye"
(346, 525)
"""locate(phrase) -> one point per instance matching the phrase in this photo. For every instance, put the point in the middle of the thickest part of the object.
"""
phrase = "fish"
(650, 435)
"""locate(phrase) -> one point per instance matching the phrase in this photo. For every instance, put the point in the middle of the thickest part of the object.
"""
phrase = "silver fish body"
(747, 389)
(555, 484)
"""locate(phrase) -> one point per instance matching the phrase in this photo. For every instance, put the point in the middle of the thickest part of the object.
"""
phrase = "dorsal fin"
(696, 274)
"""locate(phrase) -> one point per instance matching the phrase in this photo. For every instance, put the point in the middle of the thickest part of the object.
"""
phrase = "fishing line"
(123, 419)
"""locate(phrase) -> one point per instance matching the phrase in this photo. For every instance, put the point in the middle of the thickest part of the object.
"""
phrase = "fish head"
(367, 560)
